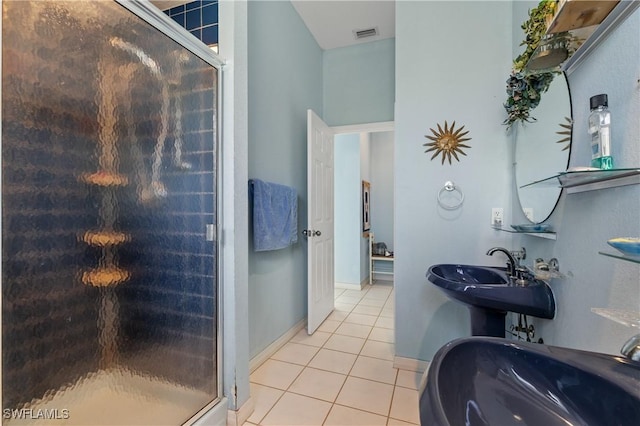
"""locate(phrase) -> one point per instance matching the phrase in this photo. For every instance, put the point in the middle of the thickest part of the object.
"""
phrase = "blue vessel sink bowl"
(493, 381)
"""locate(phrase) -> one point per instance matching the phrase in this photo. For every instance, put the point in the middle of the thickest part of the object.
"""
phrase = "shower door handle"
(211, 232)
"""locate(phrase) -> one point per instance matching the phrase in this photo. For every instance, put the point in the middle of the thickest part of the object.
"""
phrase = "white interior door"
(320, 281)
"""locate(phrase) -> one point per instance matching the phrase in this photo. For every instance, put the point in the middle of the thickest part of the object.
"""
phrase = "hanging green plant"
(524, 93)
(524, 90)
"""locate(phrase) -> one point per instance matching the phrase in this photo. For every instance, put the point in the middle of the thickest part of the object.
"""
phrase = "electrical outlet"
(528, 212)
(497, 216)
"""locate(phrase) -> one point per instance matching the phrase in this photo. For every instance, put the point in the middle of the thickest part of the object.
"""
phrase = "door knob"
(316, 233)
(306, 232)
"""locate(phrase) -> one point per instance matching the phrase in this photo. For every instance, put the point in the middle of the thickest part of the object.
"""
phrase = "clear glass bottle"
(600, 131)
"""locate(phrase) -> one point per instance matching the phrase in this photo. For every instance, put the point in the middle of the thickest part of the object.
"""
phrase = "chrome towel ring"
(450, 187)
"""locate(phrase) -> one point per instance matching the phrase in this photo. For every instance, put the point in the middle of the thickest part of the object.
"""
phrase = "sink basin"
(494, 381)
(490, 294)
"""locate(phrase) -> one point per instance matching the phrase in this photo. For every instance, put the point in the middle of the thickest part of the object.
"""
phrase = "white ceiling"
(332, 22)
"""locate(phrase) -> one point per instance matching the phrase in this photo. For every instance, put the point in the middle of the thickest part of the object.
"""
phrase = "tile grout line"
(289, 386)
(301, 371)
(354, 363)
(306, 365)
(351, 368)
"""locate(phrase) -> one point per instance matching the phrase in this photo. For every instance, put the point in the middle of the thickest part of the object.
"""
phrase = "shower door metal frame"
(161, 22)
(1, 248)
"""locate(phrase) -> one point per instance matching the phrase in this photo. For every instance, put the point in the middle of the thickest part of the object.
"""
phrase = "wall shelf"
(104, 178)
(590, 180)
(625, 317)
(580, 27)
(627, 257)
(105, 276)
(546, 235)
(104, 238)
(621, 316)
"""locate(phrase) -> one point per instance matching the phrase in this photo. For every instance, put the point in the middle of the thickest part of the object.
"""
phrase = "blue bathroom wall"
(285, 79)
(585, 221)
(452, 59)
(199, 17)
(359, 83)
(347, 217)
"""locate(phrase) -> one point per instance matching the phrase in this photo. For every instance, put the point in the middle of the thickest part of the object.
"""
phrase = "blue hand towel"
(275, 215)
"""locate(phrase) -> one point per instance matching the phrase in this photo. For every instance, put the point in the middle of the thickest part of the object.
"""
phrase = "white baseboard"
(351, 286)
(239, 417)
(410, 364)
(267, 352)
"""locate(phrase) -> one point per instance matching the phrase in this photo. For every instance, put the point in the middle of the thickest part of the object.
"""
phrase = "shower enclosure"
(109, 210)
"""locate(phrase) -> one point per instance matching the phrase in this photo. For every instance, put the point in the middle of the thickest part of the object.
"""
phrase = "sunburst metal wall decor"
(447, 142)
(566, 132)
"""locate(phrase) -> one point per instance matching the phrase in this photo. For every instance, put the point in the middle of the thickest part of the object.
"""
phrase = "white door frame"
(381, 126)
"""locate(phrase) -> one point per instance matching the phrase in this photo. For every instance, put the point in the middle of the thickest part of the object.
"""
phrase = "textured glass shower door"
(109, 256)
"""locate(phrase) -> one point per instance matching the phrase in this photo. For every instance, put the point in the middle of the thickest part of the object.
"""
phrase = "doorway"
(363, 155)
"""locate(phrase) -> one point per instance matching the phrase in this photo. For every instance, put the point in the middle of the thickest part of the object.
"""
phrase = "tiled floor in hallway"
(342, 374)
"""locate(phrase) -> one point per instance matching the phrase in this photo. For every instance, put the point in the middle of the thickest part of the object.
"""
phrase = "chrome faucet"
(631, 349)
(511, 264)
(515, 271)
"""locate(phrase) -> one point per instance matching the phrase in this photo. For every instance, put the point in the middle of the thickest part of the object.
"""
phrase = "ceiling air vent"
(369, 32)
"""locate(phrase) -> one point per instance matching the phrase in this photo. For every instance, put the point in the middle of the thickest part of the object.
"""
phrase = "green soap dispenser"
(600, 131)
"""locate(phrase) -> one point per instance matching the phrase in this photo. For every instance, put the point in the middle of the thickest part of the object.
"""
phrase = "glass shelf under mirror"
(589, 180)
(621, 316)
(547, 234)
(627, 257)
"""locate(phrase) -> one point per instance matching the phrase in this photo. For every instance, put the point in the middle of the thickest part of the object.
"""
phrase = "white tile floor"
(342, 374)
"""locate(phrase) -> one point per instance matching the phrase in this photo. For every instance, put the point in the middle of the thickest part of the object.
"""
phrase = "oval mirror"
(542, 150)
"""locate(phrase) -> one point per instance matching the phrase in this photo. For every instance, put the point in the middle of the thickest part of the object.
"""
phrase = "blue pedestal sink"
(490, 294)
(493, 381)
